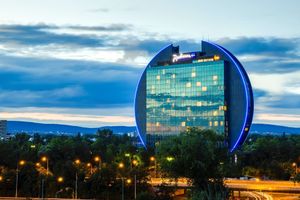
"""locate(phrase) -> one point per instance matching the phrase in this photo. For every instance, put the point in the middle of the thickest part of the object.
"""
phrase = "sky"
(78, 62)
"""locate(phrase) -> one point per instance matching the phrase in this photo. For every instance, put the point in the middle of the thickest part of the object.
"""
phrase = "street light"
(1, 178)
(152, 159)
(128, 181)
(77, 163)
(89, 165)
(45, 159)
(98, 159)
(20, 163)
(135, 162)
(296, 167)
(60, 179)
(121, 166)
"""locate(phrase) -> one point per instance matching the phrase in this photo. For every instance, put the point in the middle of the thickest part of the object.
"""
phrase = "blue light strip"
(246, 92)
(136, 91)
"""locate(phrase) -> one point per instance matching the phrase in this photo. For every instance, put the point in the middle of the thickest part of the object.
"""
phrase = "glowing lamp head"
(97, 159)
(44, 159)
(121, 165)
(135, 162)
(152, 158)
(128, 181)
(77, 161)
(22, 162)
(60, 179)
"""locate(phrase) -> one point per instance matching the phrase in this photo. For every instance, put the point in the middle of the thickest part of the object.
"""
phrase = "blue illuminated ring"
(246, 92)
(136, 92)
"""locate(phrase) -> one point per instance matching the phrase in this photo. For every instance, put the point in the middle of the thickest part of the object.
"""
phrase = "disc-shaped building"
(206, 89)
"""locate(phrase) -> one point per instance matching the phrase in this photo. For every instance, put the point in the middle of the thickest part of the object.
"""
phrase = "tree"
(196, 154)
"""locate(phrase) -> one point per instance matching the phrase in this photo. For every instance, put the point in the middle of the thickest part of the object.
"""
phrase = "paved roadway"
(250, 189)
(257, 185)
(269, 186)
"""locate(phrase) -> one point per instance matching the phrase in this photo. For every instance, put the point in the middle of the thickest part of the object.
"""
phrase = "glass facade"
(185, 95)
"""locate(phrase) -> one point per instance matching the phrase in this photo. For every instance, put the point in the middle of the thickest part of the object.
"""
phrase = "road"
(249, 189)
(258, 185)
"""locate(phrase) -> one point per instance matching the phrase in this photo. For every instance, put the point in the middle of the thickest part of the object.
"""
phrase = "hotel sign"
(181, 57)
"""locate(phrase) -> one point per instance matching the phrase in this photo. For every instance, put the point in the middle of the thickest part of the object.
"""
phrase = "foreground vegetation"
(49, 166)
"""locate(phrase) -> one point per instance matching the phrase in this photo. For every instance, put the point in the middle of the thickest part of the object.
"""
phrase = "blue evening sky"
(78, 62)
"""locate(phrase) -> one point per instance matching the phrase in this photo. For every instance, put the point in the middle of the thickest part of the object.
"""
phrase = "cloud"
(266, 55)
(99, 10)
(90, 117)
(265, 46)
(37, 82)
(99, 66)
(89, 120)
(274, 83)
(278, 117)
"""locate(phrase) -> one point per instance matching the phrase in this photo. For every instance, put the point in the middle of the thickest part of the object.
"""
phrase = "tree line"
(103, 165)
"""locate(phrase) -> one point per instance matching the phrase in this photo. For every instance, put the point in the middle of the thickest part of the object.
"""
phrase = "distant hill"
(275, 129)
(32, 127)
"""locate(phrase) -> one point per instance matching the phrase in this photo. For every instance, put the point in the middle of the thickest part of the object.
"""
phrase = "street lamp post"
(98, 159)
(135, 163)
(45, 159)
(89, 165)
(77, 162)
(20, 163)
(121, 166)
(296, 169)
(153, 159)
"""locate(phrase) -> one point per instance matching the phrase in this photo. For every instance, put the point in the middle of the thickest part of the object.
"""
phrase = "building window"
(158, 77)
(157, 124)
(204, 88)
(215, 113)
(188, 85)
(221, 123)
(199, 103)
(210, 123)
(216, 123)
(215, 77)
(183, 124)
(173, 76)
(198, 84)
(193, 74)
